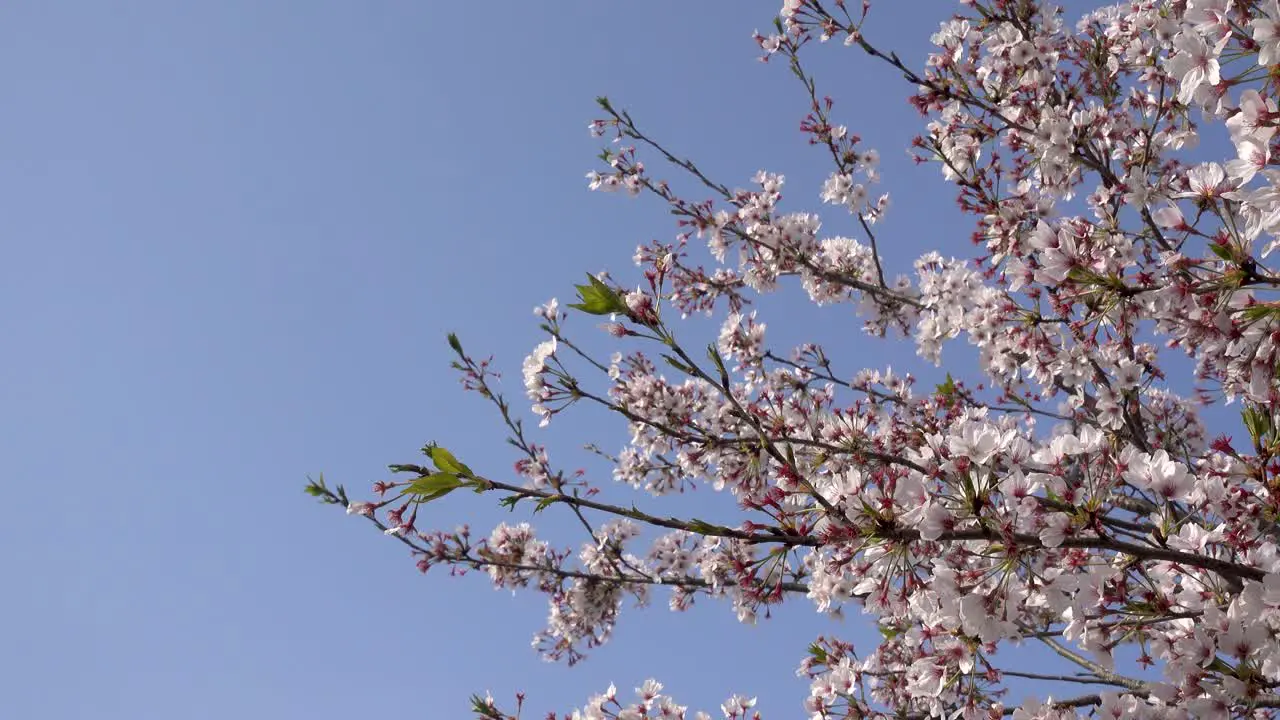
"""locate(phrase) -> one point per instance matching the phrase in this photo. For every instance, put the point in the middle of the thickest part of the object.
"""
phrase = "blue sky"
(237, 234)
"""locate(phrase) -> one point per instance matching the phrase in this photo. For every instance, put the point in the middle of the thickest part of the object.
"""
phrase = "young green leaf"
(948, 388)
(1255, 313)
(447, 463)
(598, 298)
(714, 354)
(426, 489)
(1258, 423)
(416, 469)
(889, 632)
(703, 527)
(678, 365)
(818, 654)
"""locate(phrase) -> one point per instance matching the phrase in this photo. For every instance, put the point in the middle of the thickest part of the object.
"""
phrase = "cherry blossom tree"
(1073, 498)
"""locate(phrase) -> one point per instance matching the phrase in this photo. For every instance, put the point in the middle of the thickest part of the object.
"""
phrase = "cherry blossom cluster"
(1117, 170)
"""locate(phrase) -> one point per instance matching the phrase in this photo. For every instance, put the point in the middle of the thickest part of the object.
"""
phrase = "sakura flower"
(1206, 182)
(977, 441)
(1243, 638)
(549, 311)
(1128, 374)
(935, 521)
(1253, 156)
(1254, 119)
(1194, 64)
(737, 706)
(1115, 706)
(1055, 529)
(1266, 32)
(535, 384)
(1160, 474)
(1210, 18)
(926, 678)
(1169, 217)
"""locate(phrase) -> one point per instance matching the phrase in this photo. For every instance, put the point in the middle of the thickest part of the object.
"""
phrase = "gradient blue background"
(235, 236)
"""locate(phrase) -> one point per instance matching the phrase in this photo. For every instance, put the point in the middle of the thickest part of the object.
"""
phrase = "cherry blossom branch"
(1057, 678)
(1103, 170)
(823, 131)
(664, 581)
(620, 579)
(1137, 687)
(628, 128)
(480, 379)
(875, 251)
(825, 373)
(950, 519)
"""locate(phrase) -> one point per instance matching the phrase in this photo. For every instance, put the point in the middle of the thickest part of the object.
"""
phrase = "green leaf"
(818, 654)
(1260, 312)
(714, 354)
(705, 528)
(598, 298)
(1221, 251)
(1142, 607)
(446, 462)
(484, 709)
(1257, 422)
(678, 365)
(545, 503)
(416, 469)
(426, 489)
(888, 632)
(1083, 276)
(317, 489)
(948, 388)
(453, 343)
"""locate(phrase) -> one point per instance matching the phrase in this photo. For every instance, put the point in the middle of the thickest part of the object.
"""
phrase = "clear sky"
(235, 236)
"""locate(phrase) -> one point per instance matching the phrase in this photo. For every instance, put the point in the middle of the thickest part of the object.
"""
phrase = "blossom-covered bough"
(1073, 500)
